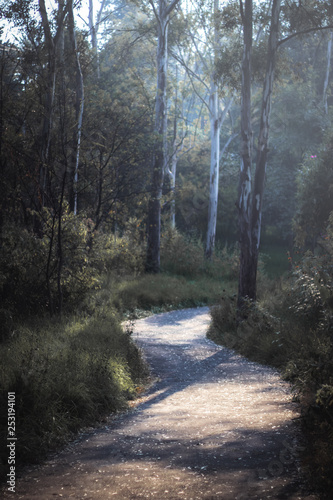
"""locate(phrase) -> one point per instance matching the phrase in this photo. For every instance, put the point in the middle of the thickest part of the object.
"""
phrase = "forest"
(161, 154)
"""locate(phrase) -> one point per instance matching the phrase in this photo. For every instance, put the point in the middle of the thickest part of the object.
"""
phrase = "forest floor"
(212, 425)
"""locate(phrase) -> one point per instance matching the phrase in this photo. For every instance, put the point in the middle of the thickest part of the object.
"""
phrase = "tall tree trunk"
(246, 277)
(93, 29)
(262, 150)
(250, 200)
(172, 175)
(159, 156)
(215, 127)
(51, 46)
(328, 70)
(177, 146)
(59, 245)
(79, 107)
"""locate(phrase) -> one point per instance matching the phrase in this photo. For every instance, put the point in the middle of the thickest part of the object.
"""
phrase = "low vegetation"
(291, 328)
(70, 371)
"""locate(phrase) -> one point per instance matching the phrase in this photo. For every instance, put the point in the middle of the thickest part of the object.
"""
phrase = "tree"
(251, 197)
(208, 83)
(79, 105)
(247, 278)
(51, 43)
(159, 155)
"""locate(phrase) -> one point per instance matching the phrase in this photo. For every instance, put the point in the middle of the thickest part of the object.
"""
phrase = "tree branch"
(304, 32)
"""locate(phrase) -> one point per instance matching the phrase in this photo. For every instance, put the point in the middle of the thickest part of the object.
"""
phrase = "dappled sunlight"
(212, 424)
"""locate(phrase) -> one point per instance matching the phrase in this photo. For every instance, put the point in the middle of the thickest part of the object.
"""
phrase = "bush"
(181, 254)
(292, 329)
(31, 272)
(120, 255)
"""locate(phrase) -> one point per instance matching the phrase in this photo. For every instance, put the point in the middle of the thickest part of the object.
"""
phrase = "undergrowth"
(291, 328)
(65, 374)
(69, 372)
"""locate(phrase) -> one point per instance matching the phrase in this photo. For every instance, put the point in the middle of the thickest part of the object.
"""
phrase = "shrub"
(292, 329)
(30, 270)
(181, 254)
(120, 255)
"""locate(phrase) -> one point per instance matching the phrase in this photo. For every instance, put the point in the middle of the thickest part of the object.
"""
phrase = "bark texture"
(251, 197)
(79, 107)
(246, 278)
(160, 154)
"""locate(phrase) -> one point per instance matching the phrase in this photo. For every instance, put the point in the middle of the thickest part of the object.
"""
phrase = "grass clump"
(161, 292)
(65, 375)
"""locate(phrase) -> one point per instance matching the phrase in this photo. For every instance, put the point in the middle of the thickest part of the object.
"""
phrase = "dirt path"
(213, 426)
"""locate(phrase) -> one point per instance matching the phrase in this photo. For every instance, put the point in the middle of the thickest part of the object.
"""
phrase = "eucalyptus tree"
(79, 105)
(208, 83)
(162, 13)
(251, 194)
(51, 42)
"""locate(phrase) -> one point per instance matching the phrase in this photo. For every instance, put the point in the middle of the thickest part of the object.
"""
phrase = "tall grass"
(65, 375)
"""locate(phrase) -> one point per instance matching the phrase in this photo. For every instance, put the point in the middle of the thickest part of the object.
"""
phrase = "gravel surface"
(212, 426)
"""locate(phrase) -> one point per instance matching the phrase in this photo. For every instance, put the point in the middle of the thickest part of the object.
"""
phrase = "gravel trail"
(212, 426)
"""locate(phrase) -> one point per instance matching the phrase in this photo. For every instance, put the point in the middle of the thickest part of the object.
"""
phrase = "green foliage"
(120, 255)
(22, 279)
(162, 292)
(29, 265)
(181, 254)
(291, 328)
(315, 197)
(65, 375)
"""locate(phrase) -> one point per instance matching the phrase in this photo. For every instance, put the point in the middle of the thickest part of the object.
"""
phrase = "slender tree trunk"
(262, 150)
(93, 29)
(79, 107)
(250, 200)
(172, 175)
(215, 127)
(159, 156)
(246, 277)
(59, 246)
(177, 145)
(328, 70)
(51, 45)
(48, 270)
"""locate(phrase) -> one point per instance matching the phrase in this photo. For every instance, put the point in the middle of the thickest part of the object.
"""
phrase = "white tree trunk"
(172, 174)
(215, 127)
(328, 69)
(93, 29)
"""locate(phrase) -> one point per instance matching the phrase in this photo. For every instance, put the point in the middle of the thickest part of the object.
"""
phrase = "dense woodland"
(158, 154)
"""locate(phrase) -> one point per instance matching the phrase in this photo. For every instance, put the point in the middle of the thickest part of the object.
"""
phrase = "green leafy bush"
(181, 254)
(34, 269)
(120, 255)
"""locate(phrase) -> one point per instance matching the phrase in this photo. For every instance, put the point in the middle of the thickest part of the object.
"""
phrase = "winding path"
(212, 426)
